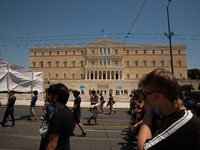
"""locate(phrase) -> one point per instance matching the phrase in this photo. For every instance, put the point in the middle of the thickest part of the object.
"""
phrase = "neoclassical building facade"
(103, 63)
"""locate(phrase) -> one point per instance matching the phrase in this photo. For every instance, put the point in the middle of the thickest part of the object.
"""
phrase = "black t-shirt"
(61, 124)
(77, 102)
(180, 130)
(11, 101)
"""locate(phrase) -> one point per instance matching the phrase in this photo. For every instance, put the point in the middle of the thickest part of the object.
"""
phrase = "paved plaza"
(110, 134)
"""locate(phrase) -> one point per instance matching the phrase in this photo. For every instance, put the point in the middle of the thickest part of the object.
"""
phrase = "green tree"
(194, 73)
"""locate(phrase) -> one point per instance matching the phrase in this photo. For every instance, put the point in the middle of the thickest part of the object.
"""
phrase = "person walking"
(111, 102)
(33, 105)
(93, 108)
(102, 101)
(60, 125)
(179, 128)
(10, 109)
(77, 113)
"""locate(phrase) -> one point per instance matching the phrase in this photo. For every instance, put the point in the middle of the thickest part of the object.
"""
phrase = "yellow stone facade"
(106, 61)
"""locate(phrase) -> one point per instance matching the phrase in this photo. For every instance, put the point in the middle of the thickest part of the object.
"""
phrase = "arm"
(74, 107)
(53, 140)
(145, 130)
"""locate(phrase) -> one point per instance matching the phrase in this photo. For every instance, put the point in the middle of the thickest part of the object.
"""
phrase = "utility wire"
(134, 21)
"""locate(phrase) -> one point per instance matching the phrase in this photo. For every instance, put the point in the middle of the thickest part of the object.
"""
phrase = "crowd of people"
(163, 114)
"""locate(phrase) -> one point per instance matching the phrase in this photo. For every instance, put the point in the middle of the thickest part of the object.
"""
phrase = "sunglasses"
(144, 94)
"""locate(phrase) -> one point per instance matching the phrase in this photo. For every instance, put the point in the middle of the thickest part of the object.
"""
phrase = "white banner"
(20, 78)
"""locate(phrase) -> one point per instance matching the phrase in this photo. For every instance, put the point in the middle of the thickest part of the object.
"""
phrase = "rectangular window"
(81, 63)
(162, 51)
(34, 53)
(153, 51)
(73, 75)
(100, 61)
(145, 63)
(154, 63)
(136, 51)
(74, 52)
(127, 63)
(41, 64)
(82, 76)
(179, 51)
(127, 51)
(104, 50)
(108, 50)
(58, 52)
(181, 75)
(145, 51)
(66, 52)
(104, 61)
(128, 76)
(108, 61)
(73, 63)
(116, 51)
(100, 51)
(65, 75)
(116, 63)
(82, 52)
(50, 52)
(57, 63)
(49, 75)
(49, 63)
(34, 64)
(56, 75)
(136, 75)
(93, 51)
(179, 63)
(42, 52)
(92, 63)
(162, 63)
(65, 63)
(136, 63)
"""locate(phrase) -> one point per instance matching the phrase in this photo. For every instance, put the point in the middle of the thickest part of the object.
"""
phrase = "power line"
(134, 21)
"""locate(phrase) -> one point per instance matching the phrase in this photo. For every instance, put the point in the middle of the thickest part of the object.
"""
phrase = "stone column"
(106, 74)
(101, 74)
(114, 75)
(97, 74)
(110, 74)
(89, 74)
(85, 74)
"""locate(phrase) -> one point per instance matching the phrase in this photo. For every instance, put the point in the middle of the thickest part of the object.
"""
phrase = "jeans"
(7, 112)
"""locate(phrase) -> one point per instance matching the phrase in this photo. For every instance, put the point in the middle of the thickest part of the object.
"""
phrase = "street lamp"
(169, 35)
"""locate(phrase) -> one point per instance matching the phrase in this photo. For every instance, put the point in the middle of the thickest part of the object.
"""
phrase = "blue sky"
(27, 23)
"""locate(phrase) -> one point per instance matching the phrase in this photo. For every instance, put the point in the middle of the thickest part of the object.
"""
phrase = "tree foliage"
(193, 73)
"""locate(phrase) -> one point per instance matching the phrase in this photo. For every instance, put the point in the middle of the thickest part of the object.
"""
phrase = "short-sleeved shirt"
(11, 101)
(180, 130)
(61, 124)
(35, 97)
(77, 102)
(50, 111)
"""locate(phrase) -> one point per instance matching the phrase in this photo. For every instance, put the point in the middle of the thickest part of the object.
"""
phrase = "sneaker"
(28, 118)
(83, 134)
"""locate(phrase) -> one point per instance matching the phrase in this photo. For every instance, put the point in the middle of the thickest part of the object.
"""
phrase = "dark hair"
(76, 93)
(35, 92)
(61, 91)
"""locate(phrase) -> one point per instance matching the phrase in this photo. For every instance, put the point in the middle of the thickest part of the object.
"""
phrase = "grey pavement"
(110, 134)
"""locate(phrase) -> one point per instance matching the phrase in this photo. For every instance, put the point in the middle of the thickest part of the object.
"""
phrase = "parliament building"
(105, 64)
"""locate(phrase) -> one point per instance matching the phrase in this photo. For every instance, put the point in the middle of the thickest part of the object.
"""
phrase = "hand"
(134, 127)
